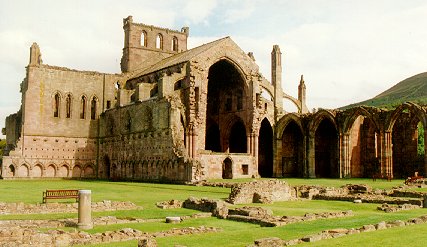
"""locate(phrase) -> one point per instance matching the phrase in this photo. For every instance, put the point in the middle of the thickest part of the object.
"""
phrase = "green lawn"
(233, 233)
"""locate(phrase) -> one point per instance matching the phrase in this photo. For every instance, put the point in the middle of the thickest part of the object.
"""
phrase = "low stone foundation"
(16, 236)
(43, 208)
(335, 233)
(266, 218)
(391, 209)
(263, 191)
(370, 199)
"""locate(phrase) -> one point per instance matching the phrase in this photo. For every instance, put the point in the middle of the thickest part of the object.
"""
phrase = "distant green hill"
(412, 89)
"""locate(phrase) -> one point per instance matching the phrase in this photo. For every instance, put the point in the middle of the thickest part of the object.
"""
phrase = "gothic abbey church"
(180, 115)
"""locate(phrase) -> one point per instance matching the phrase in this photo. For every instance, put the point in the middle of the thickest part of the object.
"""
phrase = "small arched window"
(159, 41)
(57, 104)
(68, 106)
(93, 108)
(175, 44)
(83, 107)
(144, 39)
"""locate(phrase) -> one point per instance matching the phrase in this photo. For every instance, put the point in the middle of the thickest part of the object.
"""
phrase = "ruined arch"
(225, 106)
(265, 149)
(324, 130)
(362, 127)
(405, 123)
(356, 113)
(290, 146)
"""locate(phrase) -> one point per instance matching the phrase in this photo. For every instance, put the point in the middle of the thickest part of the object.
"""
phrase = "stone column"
(386, 154)
(345, 155)
(85, 210)
(311, 153)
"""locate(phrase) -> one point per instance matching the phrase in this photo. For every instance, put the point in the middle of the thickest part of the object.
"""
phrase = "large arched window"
(174, 44)
(144, 39)
(56, 105)
(159, 41)
(83, 107)
(93, 103)
(68, 106)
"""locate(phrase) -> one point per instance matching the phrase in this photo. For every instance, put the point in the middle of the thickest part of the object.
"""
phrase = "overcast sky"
(348, 51)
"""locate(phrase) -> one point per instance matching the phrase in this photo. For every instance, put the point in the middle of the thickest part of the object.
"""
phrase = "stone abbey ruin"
(182, 115)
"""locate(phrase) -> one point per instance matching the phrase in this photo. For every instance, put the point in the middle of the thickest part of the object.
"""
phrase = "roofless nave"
(185, 115)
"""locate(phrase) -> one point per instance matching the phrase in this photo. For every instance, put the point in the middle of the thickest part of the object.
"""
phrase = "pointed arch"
(37, 171)
(144, 39)
(56, 105)
(326, 148)
(174, 44)
(364, 111)
(290, 146)
(416, 109)
(94, 108)
(227, 168)
(83, 106)
(159, 41)
(265, 149)
(68, 105)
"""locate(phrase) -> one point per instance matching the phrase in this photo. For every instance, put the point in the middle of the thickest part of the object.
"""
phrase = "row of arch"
(50, 171)
(159, 41)
(57, 106)
(358, 142)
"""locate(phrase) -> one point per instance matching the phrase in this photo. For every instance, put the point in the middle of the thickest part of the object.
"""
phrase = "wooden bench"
(60, 194)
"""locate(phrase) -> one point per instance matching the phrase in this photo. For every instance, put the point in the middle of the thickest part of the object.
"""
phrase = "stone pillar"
(85, 210)
(311, 157)
(386, 154)
(345, 155)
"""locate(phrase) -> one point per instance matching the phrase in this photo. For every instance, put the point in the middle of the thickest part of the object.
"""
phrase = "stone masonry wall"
(264, 191)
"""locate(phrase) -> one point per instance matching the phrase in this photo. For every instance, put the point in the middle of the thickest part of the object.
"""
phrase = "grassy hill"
(411, 89)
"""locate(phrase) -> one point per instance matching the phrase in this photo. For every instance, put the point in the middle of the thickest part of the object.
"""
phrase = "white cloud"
(197, 11)
(238, 10)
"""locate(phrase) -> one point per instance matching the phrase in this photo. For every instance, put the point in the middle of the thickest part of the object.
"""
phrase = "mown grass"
(233, 233)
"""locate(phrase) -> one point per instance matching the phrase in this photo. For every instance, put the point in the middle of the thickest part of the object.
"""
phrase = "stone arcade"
(186, 115)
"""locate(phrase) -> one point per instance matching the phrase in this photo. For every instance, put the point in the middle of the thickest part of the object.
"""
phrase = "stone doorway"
(227, 169)
(326, 150)
(265, 149)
